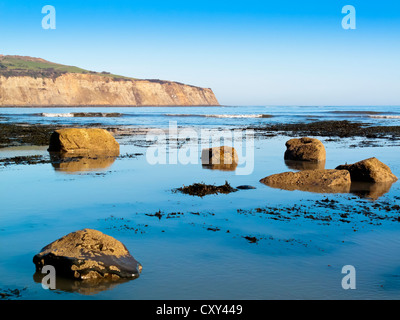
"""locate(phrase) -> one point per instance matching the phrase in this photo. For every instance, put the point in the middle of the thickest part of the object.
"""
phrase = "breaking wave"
(239, 116)
(80, 115)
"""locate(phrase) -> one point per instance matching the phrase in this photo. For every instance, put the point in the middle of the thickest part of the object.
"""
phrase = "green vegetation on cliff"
(11, 66)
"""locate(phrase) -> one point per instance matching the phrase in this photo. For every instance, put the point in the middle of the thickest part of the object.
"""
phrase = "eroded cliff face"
(73, 89)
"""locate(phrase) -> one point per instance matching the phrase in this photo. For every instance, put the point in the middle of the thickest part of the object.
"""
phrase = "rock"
(305, 149)
(84, 141)
(369, 170)
(220, 158)
(321, 181)
(245, 187)
(88, 255)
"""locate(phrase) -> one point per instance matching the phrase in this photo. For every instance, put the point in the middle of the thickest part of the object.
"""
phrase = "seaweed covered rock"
(305, 149)
(369, 170)
(220, 158)
(84, 141)
(320, 181)
(88, 255)
(201, 189)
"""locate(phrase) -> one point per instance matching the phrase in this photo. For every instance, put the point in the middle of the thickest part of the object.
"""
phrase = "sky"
(286, 52)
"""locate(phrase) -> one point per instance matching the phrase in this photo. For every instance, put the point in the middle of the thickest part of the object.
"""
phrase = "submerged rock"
(369, 170)
(88, 255)
(84, 141)
(305, 149)
(220, 158)
(245, 187)
(321, 181)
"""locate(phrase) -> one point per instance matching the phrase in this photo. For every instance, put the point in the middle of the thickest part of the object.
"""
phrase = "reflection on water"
(219, 158)
(305, 165)
(83, 287)
(370, 190)
(73, 163)
(313, 188)
(222, 167)
(367, 190)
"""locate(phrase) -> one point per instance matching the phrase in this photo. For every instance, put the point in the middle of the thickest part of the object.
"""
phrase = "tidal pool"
(262, 243)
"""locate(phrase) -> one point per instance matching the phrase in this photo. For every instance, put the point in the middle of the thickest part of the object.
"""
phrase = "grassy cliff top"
(11, 66)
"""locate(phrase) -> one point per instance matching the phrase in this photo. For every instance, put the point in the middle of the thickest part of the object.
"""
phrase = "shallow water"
(201, 116)
(189, 253)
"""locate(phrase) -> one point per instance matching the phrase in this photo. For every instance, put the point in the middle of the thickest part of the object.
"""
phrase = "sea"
(201, 115)
(255, 244)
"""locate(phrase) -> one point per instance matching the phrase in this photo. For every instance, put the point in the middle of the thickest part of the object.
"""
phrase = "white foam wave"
(81, 114)
(57, 115)
(222, 115)
(238, 116)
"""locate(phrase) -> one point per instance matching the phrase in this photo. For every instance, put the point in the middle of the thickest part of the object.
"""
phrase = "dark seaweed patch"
(201, 189)
(341, 129)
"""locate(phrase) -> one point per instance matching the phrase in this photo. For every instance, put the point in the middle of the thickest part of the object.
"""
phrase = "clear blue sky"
(287, 52)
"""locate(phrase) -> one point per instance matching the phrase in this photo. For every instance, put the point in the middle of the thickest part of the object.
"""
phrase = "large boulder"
(84, 141)
(305, 149)
(369, 170)
(88, 255)
(220, 158)
(321, 181)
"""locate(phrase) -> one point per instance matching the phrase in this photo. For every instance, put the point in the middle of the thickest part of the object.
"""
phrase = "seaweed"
(201, 189)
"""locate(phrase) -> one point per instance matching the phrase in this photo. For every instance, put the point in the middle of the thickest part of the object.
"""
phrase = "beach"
(258, 243)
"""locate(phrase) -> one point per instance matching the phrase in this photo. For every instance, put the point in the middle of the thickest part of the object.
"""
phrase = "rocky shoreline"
(25, 134)
(16, 134)
(341, 129)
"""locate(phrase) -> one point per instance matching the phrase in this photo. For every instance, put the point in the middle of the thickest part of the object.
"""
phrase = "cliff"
(26, 81)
